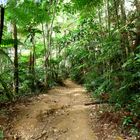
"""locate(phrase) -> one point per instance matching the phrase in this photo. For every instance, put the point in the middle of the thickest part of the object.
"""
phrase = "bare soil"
(60, 114)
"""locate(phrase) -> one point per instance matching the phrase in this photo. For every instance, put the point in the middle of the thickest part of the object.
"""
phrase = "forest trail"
(58, 115)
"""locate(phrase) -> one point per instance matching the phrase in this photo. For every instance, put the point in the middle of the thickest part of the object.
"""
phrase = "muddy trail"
(60, 114)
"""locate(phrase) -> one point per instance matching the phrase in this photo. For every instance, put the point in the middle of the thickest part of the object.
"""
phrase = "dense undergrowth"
(109, 75)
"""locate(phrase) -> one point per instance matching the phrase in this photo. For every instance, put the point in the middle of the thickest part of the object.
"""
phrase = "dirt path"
(58, 115)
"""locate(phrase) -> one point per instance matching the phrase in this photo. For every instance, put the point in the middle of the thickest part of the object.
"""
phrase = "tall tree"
(124, 33)
(16, 76)
(1, 22)
(137, 39)
(49, 27)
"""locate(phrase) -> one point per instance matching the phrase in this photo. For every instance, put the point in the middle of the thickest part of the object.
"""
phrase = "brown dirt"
(58, 115)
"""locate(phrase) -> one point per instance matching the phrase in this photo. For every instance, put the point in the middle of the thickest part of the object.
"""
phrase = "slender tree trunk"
(124, 33)
(108, 15)
(137, 40)
(49, 37)
(16, 76)
(34, 57)
(30, 62)
(33, 65)
(47, 54)
(1, 22)
(45, 50)
(137, 4)
(116, 6)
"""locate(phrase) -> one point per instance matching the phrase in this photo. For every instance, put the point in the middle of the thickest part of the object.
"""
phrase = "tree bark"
(137, 40)
(1, 22)
(44, 43)
(116, 6)
(108, 16)
(16, 74)
(33, 66)
(32, 63)
(124, 33)
(49, 37)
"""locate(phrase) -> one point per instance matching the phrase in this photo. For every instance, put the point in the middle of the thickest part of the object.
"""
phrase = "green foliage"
(101, 59)
(1, 135)
(127, 120)
(86, 7)
(94, 42)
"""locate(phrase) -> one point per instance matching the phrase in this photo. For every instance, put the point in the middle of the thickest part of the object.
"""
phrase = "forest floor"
(60, 114)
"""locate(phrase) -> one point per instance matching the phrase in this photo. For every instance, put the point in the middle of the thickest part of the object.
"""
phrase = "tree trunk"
(108, 15)
(1, 22)
(16, 78)
(49, 38)
(45, 51)
(32, 65)
(124, 33)
(116, 6)
(137, 39)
